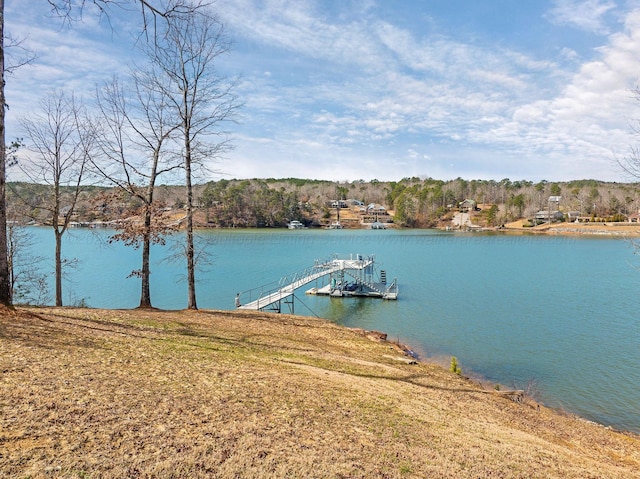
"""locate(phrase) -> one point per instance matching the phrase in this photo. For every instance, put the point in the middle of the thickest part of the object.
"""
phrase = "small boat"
(296, 225)
(377, 225)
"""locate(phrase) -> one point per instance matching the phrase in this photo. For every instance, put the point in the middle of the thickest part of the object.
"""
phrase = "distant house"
(543, 215)
(65, 210)
(467, 205)
(634, 218)
(373, 207)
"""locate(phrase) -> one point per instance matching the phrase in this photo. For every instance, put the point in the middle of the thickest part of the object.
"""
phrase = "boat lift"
(358, 267)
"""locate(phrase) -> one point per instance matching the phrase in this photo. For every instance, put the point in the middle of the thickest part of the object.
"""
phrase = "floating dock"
(356, 277)
(353, 276)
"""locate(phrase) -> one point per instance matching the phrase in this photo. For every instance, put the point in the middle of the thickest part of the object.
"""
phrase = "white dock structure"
(358, 267)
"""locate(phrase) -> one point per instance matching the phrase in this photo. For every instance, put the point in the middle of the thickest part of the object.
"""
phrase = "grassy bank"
(110, 394)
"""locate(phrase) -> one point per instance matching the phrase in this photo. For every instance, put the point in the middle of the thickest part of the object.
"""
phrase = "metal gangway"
(273, 298)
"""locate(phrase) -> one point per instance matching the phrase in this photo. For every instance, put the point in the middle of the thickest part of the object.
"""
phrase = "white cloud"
(534, 114)
(589, 117)
(333, 93)
(569, 54)
(584, 14)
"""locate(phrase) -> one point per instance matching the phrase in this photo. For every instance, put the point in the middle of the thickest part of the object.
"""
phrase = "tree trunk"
(191, 274)
(5, 286)
(145, 295)
(58, 267)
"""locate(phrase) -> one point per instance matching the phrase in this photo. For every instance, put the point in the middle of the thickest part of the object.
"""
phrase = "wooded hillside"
(413, 202)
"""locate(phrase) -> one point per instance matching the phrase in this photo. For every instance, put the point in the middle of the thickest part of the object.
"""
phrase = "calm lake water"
(559, 313)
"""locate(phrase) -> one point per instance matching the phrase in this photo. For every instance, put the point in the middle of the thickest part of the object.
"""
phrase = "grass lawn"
(88, 393)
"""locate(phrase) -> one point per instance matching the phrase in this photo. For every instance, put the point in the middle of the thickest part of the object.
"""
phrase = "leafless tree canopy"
(71, 10)
(16, 54)
(204, 100)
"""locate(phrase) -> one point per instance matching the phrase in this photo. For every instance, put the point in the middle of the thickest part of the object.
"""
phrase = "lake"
(555, 315)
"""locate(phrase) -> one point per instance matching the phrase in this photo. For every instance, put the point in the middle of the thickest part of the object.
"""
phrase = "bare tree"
(26, 277)
(151, 10)
(61, 142)
(135, 130)
(202, 99)
(5, 282)
(630, 163)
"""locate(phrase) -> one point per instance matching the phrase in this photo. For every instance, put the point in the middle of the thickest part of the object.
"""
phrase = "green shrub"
(455, 368)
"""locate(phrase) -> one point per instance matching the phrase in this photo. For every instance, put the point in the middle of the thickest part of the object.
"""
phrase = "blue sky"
(363, 89)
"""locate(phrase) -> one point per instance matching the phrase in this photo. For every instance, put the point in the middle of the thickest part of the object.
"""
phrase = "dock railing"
(264, 295)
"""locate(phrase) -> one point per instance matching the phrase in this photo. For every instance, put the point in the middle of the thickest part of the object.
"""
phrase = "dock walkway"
(285, 292)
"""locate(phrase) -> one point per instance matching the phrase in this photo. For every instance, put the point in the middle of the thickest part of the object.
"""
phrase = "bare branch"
(16, 55)
(150, 10)
(630, 163)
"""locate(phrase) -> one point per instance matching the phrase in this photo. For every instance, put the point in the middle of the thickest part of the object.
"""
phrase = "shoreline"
(517, 227)
(520, 395)
(410, 356)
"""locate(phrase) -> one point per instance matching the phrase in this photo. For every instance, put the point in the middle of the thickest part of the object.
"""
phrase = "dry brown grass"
(152, 394)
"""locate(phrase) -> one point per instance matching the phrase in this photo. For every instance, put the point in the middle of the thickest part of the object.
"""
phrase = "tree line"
(254, 203)
(415, 202)
(424, 202)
